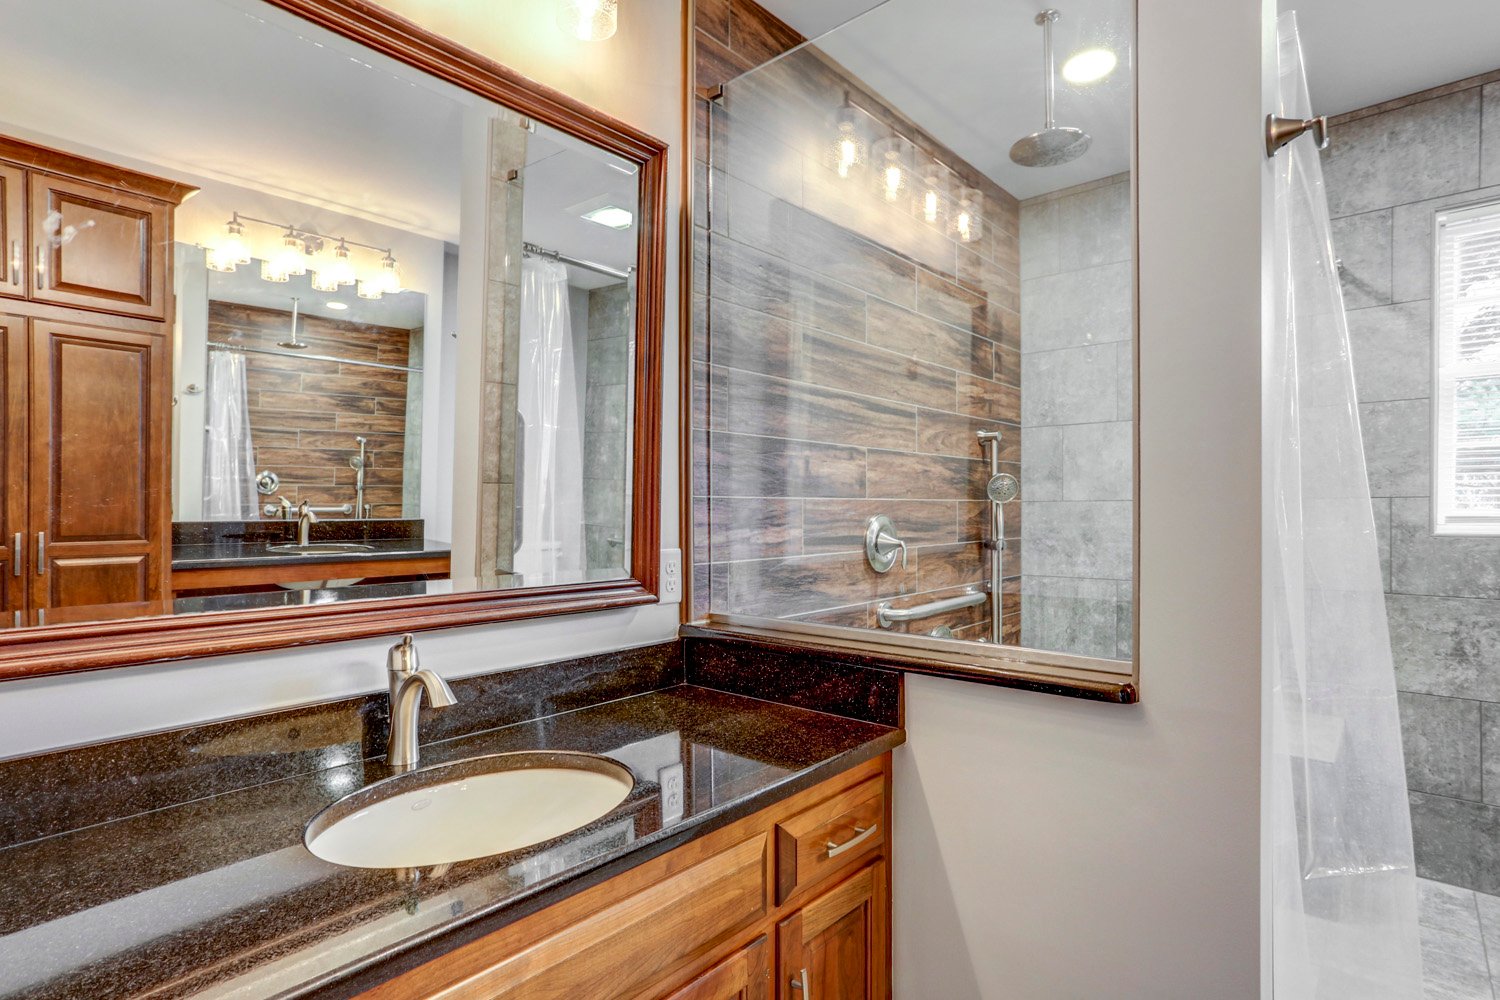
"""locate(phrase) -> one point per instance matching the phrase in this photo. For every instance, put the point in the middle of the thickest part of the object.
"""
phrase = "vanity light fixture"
(589, 20)
(966, 223)
(848, 148)
(288, 262)
(1089, 66)
(612, 216)
(231, 251)
(934, 194)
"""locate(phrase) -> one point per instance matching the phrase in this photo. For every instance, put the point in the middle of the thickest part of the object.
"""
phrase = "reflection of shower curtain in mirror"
(1344, 911)
(228, 455)
(550, 529)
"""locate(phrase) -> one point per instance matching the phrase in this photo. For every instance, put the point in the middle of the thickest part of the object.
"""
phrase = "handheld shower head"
(1002, 488)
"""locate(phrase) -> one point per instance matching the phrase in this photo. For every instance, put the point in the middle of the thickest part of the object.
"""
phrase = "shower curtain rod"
(587, 265)
(217, 346)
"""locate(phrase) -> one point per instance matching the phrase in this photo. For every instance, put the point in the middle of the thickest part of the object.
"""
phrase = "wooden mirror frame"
(55, 649)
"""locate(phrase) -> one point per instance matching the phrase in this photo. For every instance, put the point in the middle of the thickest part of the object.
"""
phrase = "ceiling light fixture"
(612, 216)
(1089, 65)
(336, 305)
(329, 258)
(589, 20)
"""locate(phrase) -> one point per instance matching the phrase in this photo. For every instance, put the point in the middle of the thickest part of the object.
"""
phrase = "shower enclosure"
(912, 357)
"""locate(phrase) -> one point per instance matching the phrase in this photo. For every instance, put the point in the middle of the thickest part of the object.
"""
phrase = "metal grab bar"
(888, 616)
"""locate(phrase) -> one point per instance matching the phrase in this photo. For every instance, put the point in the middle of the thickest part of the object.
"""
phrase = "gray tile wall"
(1387, 173)
(1076, 417)
(607, 430)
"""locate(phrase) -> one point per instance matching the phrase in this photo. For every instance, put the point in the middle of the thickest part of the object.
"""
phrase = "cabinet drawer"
(831, 836)
(618, 951)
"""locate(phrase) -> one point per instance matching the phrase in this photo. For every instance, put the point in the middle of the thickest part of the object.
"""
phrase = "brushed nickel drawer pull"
(804, 984)
(15, 262)
(861, 834)
(17, 555)
(41, 553)
(41, 264)
(17, 619)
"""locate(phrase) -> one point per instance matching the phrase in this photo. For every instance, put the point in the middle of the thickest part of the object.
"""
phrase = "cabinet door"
(13, 418)
(99, 517)
(835, 947)
(745, 976)
(117, 258)
(12, 231)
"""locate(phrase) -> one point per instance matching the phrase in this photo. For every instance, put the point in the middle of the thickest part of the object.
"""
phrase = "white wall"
(633, 76)
(1057, 849)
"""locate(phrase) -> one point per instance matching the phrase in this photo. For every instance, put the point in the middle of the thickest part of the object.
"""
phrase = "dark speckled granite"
(69, 789)
(220, 893)
(329, 529)
(805, 679)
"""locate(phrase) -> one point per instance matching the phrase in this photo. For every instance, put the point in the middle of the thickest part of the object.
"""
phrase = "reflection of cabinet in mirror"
(86, 385)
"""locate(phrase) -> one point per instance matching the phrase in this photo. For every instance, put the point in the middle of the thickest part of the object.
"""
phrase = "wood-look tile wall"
(305, 414)
(845, 353)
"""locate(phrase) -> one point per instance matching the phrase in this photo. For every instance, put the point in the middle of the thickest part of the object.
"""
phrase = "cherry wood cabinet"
(13, 438)
(85, 387)
(117, 256)
(835, 947)
(704, 921)
(13, 238)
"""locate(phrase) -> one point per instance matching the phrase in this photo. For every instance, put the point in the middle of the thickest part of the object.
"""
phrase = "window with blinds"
(1466, 376)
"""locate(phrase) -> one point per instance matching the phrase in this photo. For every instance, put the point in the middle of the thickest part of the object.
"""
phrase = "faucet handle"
(402, 658)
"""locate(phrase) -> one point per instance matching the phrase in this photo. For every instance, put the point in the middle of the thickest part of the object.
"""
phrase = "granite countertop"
(303, 598)
(220, 554)
(218, 897)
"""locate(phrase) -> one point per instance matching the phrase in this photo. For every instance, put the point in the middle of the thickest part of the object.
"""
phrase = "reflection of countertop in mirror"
(189, 875)
(221, 554)
(302, 598)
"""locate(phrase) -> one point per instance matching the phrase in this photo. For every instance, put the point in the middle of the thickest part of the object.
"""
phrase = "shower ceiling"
(969, 71)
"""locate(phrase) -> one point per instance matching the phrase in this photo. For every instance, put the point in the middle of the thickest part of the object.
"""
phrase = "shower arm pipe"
(215, 345)
(537, 250)
(1049, 93)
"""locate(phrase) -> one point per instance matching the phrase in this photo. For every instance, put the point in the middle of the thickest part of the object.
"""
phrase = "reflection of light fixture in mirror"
(288, 262)
(1089, 65)
(335, 271)
(891, 158)
(231, 250)
(934, 193)
(966, 223)
(390, 276)
(612, 216)
(848, 148)
(589, 20)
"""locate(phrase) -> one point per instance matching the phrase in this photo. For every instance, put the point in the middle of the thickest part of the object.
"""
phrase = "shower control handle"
(882, 543)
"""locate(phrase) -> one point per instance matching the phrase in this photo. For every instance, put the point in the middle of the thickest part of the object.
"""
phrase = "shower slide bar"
(888, 616)
(217, 346)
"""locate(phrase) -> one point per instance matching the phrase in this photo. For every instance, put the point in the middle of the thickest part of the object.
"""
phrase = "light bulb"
(967, 225)
(848, 147)
(589, 20)
(891, 152)
(934, 193)
(390, 276)
(341, 268)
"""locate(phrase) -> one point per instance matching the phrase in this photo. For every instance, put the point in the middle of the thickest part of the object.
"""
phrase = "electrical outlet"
(671, 576)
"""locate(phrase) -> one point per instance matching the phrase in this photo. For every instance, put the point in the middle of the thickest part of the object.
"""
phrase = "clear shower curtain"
(229, 454)
(551, 480)
(1344, 890)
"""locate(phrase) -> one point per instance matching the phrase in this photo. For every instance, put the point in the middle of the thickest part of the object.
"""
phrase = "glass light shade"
(370, 288)
(341, 269)
(270, 271)
(589, 20)
(893, 168)
(932, 195)
(217, 260)
(390, 276)
(847, 150)
(322, 281)
(291, 259)
(967, 224)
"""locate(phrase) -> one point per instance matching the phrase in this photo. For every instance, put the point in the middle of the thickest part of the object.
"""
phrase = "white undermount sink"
(467, 809)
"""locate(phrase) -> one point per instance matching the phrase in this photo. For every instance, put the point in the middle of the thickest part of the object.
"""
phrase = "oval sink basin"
(320, 548)
(467, 809)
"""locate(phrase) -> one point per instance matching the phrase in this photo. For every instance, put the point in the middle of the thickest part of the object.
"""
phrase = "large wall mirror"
(311, 326)
(914, 355)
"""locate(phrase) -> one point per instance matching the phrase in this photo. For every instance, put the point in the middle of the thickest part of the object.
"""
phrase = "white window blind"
(1466, 435)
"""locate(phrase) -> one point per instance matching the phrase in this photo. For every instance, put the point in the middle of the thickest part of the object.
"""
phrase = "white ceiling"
(565, 178)
(241, 92)
(970, 73)
(1362, 52)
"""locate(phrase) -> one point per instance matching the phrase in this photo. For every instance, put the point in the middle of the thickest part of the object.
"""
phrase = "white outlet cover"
(671, 576)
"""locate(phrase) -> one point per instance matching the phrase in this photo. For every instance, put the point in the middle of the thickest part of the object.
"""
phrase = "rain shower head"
(1054, 144)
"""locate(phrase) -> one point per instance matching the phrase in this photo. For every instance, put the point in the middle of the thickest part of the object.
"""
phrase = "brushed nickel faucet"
(305, 520)
(408, 680)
